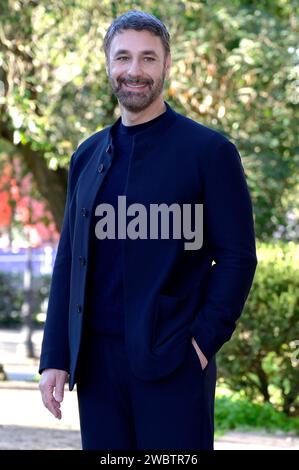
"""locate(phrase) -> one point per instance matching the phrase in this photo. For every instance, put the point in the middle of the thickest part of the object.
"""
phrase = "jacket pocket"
(170, 322)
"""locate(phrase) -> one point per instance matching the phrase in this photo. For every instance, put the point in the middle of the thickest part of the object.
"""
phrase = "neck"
(130, 118)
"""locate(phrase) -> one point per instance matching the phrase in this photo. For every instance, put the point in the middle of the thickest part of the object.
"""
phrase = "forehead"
(136, 41)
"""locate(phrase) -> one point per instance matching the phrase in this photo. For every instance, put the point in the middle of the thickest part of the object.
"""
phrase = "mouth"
(135, 86)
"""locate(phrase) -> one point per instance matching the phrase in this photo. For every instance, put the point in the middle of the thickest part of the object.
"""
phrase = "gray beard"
(137, 101)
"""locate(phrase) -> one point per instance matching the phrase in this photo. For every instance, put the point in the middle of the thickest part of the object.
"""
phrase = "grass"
(233, 412)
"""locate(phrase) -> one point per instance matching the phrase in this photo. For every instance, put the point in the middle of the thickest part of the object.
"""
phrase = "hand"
(53, 379)
(202, 357)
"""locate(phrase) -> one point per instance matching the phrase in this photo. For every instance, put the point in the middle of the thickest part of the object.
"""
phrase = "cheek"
(117, 72)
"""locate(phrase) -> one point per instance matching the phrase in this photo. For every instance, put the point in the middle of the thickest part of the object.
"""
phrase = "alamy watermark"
(146, 225)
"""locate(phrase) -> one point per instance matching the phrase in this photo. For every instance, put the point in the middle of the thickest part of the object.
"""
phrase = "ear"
(168, 63)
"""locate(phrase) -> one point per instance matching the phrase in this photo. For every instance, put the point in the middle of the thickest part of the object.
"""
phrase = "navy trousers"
(119, 411)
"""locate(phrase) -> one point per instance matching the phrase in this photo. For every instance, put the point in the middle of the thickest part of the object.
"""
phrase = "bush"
(261, 356)
(12, 297)
(237, 413)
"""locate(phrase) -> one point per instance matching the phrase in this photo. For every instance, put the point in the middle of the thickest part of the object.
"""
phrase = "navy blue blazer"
(170, 294)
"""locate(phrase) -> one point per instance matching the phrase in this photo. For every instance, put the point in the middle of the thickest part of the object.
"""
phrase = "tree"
(23, 215)
(239, 69)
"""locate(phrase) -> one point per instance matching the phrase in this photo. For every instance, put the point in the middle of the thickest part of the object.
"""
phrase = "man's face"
(137, 68)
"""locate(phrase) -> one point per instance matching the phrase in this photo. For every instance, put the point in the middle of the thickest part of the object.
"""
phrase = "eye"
(149, 59)
(122, 58)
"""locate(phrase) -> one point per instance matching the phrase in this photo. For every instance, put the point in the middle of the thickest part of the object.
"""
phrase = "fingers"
(59, 389)
(49, 401)
(201, 356)
(52, 390)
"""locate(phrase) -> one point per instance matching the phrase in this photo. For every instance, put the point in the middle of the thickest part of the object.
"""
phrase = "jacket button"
(84, 212)
(101, 168)
(82, 260)
(79, 308)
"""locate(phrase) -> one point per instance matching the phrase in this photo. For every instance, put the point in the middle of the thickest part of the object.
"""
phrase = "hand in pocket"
(201, 356)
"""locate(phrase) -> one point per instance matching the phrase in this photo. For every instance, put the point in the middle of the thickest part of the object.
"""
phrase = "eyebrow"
(145, 52)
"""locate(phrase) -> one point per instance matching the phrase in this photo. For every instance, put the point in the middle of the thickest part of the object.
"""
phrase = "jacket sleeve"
(55, 345)
(229, 235)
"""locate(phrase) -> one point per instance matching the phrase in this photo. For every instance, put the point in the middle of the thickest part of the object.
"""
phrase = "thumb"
(59, 389)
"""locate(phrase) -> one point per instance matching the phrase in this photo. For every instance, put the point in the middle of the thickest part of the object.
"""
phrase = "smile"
(136, 85)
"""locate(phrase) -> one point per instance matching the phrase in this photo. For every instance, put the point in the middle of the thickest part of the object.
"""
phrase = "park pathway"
(25, 424)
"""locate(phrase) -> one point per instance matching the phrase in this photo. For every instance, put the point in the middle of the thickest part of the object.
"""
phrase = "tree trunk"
(52, 185)
(263, 382)
(27, 304)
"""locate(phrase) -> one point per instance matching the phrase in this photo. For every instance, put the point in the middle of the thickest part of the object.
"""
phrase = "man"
(135, 316)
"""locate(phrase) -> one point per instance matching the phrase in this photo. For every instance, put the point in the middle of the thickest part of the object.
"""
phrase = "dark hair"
(139, 21)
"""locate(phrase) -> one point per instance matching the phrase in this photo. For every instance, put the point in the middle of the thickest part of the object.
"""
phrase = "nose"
(134, 68)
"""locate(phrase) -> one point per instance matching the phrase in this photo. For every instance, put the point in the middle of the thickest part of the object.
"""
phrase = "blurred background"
(235, 69)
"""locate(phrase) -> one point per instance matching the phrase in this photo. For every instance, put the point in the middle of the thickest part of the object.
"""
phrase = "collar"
(157, 129)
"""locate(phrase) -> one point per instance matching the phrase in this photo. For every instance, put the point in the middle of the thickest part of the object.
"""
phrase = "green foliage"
(12, 297)
(262, 356)
(233, 413)
(236, 69)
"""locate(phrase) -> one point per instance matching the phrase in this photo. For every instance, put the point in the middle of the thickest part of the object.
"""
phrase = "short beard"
(135, 101)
